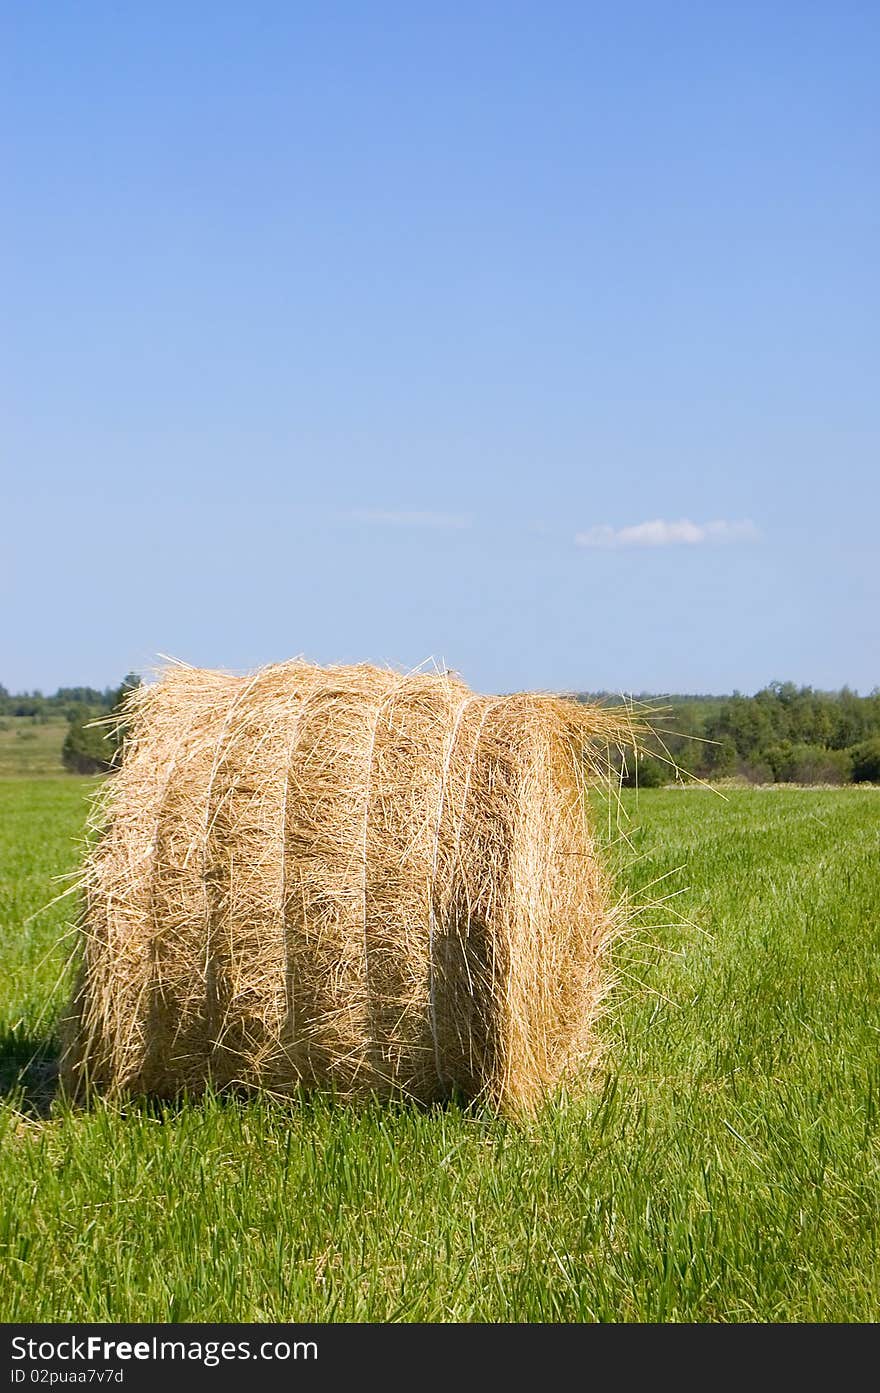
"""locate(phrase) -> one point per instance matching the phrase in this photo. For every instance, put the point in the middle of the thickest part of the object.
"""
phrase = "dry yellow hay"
(344, 877)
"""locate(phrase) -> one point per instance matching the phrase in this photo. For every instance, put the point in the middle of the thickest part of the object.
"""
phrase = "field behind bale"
(725, 1167)
(31, 749)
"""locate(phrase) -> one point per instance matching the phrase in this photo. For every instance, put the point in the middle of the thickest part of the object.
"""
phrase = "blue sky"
(539, 338)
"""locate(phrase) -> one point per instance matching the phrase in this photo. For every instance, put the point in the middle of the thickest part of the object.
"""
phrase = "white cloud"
(667, 534)
(403, 518)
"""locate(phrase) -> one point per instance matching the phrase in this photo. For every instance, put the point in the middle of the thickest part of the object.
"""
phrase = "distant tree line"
(66, 702)
(782, 734)
(88, 748)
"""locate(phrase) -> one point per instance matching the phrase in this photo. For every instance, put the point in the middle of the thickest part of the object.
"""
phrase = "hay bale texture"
(343, 877)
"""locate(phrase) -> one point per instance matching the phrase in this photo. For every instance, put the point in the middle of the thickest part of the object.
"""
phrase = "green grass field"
(726, 1166)
(29, 749)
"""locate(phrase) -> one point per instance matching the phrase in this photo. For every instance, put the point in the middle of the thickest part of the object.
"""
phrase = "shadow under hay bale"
(343, 877)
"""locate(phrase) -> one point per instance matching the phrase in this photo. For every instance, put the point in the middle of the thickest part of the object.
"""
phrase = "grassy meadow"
(725, 1166)
(31, 749)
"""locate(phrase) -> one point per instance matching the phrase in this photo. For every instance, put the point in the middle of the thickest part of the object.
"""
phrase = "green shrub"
(649, 773)
(809, 764)
(91, 749)
(866, 762)
(719, 758)
(88, 749)
(757, 771)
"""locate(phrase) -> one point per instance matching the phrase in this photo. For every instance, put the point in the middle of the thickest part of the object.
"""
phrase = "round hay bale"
(347, 878)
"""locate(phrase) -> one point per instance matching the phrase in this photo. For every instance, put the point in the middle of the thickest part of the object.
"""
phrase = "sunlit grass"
(30, 749)
(726, 1166)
